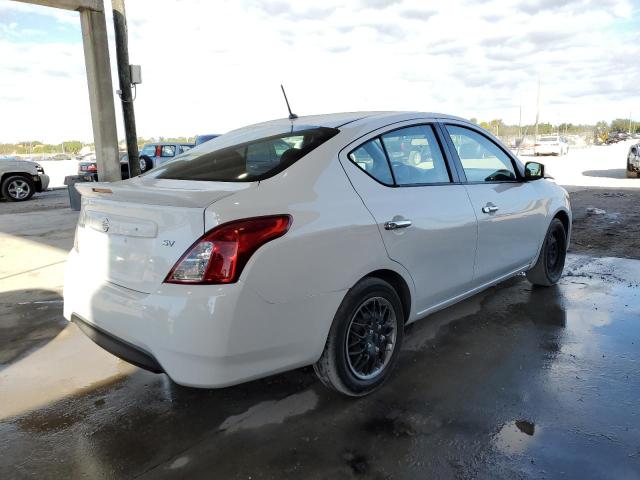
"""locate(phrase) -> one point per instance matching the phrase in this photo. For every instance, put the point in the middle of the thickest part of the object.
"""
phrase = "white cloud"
(212, 66)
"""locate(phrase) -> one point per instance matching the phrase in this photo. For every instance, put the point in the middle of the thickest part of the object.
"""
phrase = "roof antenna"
(292, 116)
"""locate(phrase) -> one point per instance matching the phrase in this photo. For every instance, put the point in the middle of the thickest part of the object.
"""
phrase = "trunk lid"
(132, 233)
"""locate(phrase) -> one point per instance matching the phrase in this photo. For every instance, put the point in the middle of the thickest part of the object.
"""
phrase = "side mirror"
(533, 171)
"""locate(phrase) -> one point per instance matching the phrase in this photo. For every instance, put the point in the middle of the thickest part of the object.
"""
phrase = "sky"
(209, 66)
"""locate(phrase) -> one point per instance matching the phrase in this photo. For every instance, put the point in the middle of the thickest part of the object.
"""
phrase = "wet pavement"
(517, 382)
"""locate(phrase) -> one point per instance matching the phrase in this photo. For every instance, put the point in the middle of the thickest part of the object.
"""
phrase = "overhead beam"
(77, 5)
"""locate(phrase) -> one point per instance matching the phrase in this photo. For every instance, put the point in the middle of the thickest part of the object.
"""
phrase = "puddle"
(514, 437)
(271, 412)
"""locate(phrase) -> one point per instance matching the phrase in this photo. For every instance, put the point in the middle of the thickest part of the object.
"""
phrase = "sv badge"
(168, 243)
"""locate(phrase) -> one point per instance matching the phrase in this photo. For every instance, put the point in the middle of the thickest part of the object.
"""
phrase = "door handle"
(396, 224)
(489, 208)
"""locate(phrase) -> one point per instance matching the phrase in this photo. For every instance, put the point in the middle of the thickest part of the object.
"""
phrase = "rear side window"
(370, 158)
(482, 160)
(222, 160)
(415, 155)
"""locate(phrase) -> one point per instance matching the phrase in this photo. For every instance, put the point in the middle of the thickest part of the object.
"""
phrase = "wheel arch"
(399, 284)
(15, 174)
(563, 215)
(7, 175)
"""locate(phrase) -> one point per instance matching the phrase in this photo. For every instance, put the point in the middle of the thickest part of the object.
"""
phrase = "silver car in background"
(20, 179)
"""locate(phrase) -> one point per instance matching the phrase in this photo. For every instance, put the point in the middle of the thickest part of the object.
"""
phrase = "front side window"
(168, 151)
(370, 158)
(246, 155)
(415, 156)
(482, 160)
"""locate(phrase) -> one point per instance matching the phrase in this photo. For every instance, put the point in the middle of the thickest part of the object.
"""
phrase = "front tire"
(548, 269)
(364, 341)
(17, 188)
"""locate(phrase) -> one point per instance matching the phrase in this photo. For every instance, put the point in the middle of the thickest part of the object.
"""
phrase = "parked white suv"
(311, 241)
(20, 179)
(551, 145)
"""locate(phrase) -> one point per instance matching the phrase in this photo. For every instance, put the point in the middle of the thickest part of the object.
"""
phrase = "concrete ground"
(516, 382)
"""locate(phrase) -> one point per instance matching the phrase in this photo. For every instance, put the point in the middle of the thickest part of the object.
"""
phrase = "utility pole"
(520, 122)
(124, 75)
(629, 122)
(537, 112)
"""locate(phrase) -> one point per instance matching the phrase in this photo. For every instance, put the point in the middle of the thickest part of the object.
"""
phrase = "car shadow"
(611, 173)
(29, 319)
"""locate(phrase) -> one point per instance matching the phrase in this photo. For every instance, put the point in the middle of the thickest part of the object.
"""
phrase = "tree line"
(499, 128)
(73, 147)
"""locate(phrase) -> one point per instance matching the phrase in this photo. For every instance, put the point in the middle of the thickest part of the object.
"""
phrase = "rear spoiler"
(174, 193)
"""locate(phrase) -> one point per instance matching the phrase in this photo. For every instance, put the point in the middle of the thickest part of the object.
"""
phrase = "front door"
(510, 213)
(426, 221)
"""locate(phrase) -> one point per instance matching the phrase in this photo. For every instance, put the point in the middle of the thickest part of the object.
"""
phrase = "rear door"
(511, 216)
(424, 216)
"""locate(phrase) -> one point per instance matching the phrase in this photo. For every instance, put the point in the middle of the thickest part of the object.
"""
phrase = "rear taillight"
(220, 254)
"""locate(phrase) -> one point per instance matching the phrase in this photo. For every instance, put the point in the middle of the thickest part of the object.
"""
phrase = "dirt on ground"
(606, 222)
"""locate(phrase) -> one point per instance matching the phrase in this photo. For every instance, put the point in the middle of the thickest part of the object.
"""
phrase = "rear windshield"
(247, 155)
(549, 139)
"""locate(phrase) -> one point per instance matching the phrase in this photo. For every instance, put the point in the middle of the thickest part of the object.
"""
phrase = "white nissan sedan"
(311, 241)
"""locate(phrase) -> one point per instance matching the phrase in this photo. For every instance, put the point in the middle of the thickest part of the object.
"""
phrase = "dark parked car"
(89, 168)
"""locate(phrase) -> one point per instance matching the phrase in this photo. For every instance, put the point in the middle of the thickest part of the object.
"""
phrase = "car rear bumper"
(200, 335)
(119, 348)
(550, 150)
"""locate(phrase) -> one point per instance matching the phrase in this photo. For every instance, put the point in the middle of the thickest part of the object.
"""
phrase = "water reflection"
(515, 437)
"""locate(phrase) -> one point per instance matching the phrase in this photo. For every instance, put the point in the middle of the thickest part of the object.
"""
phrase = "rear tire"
(364, 341)
(548, 268)
(145, 163)
(17, 188)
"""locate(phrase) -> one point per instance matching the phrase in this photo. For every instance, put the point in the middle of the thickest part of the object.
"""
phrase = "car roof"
(336, 120)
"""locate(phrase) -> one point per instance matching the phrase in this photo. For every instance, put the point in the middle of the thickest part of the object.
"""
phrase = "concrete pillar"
(103, 116)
